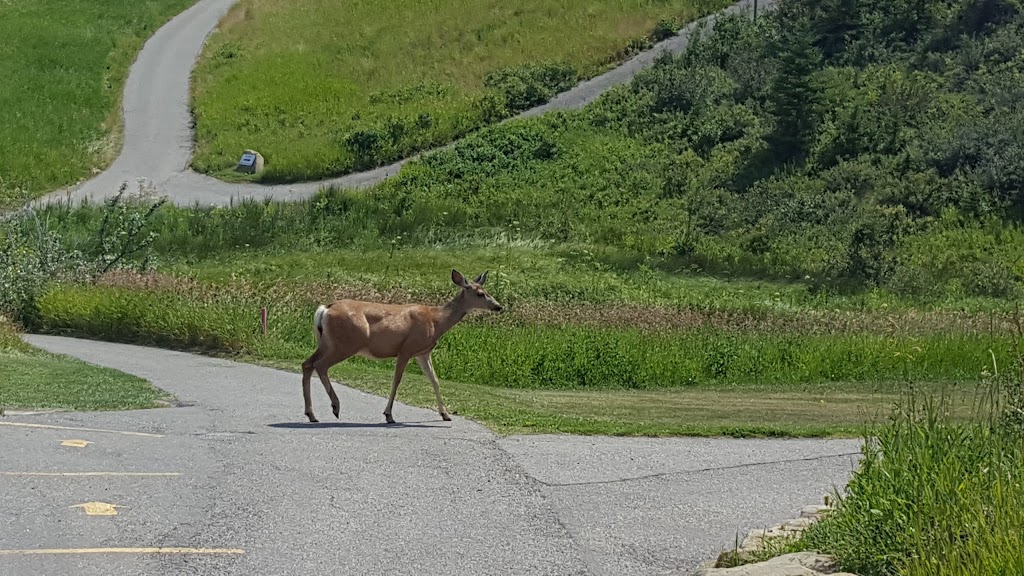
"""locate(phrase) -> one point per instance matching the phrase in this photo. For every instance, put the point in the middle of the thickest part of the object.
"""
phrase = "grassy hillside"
(33, 379)
(802, 215)
(64, 63)
(321, 89)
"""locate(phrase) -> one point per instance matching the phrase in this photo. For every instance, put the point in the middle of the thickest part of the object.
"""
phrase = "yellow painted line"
(75, 443)
(50, 426)
(153, 550)
(98, 508)
(90, 473)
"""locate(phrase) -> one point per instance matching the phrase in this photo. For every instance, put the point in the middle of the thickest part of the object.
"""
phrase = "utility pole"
(755, 10)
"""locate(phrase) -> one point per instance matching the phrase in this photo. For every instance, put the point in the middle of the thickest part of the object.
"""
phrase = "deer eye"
(480, 293)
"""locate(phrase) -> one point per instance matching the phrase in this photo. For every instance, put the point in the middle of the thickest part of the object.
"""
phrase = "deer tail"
(318, 323)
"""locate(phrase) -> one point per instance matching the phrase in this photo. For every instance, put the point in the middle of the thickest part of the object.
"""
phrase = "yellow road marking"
(153, 550)
(75, 443)
(126, 432)
(90, 473)
(98, 508)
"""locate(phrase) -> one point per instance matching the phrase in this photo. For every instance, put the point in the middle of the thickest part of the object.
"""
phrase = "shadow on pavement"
(302, 425)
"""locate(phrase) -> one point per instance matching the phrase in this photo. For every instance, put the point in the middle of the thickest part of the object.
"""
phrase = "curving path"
(242, 470)
(158, 135)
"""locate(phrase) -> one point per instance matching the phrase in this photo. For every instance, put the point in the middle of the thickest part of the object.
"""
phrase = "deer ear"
(481, 279)
(458, 278)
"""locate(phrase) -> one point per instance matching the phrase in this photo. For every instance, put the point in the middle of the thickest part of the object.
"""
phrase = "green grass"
(934, 496)
(64, 63)
(813, 411)
(520, 375)
(31, 378)
(529, 272)
(295, 80)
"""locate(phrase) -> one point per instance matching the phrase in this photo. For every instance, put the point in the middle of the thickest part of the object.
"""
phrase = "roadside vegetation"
(322, 91)
(64, 63)
(775, 233)
(934, 495)
(31, 378)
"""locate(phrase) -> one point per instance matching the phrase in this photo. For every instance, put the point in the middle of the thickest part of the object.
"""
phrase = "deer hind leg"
(322, 365)
(427, 366)
(400, 364)
(307, 374)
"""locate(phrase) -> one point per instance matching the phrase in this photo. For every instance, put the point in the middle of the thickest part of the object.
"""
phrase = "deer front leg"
(400, 363)
(307, 374)
(427, 366)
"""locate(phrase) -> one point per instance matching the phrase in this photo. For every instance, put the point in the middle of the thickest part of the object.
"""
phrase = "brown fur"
(402, 331)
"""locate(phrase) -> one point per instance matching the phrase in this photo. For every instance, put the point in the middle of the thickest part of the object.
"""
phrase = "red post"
(263, 320)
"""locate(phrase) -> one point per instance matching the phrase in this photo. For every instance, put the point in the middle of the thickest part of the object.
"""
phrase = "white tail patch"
(318, 323)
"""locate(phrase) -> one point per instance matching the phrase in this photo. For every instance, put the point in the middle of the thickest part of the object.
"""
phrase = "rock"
(250, 163)
(815, 511)
(798, 524)
(795, 564)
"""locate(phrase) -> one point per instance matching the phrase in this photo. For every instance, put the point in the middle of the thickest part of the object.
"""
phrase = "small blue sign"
(248, 159)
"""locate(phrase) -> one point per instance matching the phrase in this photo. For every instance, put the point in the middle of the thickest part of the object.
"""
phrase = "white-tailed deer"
(347, 328)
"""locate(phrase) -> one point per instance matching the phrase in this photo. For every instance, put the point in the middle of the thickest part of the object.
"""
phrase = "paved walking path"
(158, 135)
(238, 473)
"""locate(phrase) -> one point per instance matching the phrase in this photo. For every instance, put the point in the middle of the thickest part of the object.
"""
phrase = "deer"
(346, 328)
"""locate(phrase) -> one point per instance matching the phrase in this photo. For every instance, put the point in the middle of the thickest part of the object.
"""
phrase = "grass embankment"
(321, 91)
(64, 63)
(933, 495)
(31, 378)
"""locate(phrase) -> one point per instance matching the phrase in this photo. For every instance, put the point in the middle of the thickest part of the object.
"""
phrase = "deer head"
(473, 294)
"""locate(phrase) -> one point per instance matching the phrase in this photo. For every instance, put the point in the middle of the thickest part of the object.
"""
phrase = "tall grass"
(322, 91)
(937, 497)
(64, 63)
(529, 355)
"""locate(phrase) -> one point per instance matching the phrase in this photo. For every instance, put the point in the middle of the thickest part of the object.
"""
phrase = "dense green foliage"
(935, 497)
(814, 145)
(63, 65)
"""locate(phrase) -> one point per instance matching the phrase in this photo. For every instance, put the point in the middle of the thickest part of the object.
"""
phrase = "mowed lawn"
(31, 378)
(296, 79)
(63, 65)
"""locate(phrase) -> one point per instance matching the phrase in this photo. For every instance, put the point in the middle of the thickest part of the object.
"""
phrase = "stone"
(798, 524)
(795, 564)
(251, 162)
(815, 511)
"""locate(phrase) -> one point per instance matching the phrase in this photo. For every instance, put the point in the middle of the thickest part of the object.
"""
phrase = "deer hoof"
(312, 418)
(389, 419)
(445, 416)
(337, 411)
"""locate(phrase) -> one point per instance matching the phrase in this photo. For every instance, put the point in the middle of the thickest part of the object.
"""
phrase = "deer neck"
(451, 314)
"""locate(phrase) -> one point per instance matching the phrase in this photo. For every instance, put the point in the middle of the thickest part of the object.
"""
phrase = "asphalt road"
(236, 475)
(158, 134)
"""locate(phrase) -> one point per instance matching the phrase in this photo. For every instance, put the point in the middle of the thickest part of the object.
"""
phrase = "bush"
(34, 255)
(523, 87)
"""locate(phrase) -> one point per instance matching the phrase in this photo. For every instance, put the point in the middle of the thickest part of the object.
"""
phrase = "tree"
(792, 94)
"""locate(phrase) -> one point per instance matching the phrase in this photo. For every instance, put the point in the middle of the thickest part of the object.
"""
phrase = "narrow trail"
(159, 139)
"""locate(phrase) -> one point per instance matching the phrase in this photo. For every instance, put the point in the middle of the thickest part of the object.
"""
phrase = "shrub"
(523, 87)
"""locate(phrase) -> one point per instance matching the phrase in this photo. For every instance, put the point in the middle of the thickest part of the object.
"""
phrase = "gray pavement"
(235, 470)
(159, 139)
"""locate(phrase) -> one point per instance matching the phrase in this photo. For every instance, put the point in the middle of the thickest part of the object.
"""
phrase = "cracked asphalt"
(238, 473)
